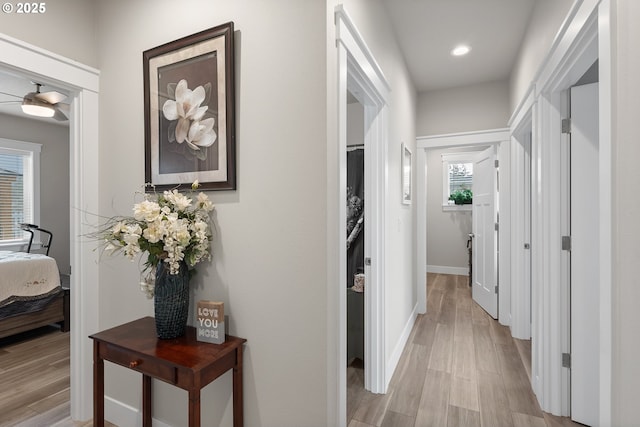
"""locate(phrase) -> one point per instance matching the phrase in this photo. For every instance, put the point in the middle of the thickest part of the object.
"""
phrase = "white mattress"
(26, 275)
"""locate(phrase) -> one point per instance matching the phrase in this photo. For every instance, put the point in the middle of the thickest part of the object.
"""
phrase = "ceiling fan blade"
(10, 102)
(60, 115)
(10, 94)
(52, 97)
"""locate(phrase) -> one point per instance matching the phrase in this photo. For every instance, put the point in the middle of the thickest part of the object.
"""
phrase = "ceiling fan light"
(34, 108)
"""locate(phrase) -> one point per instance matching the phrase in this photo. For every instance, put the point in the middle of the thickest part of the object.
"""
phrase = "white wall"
(270, 246)
(54, 177)
(67, 27)
(371, 19)
(626, 176)
(543, 27)
(463, 109)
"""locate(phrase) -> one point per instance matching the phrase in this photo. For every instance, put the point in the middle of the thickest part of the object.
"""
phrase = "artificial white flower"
(155, 231)
(171, 230)
(180, 201)
(118, 228)
(146, 211)
(204, 203)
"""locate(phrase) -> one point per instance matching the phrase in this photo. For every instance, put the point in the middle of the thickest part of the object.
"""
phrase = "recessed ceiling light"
(460, 50)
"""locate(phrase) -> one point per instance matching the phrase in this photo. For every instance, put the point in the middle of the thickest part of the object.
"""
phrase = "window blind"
(16, 193)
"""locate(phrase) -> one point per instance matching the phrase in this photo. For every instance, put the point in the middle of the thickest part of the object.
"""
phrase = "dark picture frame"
(189, 112)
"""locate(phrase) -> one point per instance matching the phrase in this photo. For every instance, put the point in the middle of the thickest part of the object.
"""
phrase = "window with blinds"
(16, 188)
(460, 176)
(457, 174)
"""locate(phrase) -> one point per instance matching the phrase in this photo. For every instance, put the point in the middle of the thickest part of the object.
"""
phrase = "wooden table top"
(140, 336)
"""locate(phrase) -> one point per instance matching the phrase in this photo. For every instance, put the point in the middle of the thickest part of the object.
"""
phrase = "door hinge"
(566, 360)
(497, 227)
(566, 125)
(496, 289)
(566, 243)
(367, 261)
(497, 162)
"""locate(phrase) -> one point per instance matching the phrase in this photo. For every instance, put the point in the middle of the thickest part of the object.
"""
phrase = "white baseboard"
(122, 414)
(400, 345)
(443, 269)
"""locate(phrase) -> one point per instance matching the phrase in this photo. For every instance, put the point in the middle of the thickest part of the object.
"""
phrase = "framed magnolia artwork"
(189, 112)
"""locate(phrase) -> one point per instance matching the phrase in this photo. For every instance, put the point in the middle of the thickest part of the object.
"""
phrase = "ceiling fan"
(42, 104)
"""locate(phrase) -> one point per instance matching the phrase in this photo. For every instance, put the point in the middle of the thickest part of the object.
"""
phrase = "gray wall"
(54, 178)
(67, 27)
(463, 109)
(543, 27)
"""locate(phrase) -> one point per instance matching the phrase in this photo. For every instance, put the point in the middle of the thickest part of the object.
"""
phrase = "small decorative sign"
(210, 321)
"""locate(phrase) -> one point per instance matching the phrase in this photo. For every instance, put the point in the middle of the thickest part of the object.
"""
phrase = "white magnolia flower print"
(191, 124)
(186, 108)
(201, 134)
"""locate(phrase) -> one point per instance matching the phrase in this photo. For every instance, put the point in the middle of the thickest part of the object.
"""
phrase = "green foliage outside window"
(463, 196)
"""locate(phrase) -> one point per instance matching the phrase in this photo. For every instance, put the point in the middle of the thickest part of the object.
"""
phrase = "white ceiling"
(427, 31)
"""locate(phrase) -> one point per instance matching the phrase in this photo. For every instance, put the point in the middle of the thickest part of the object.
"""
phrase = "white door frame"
(584, 37)
(83, 84)
(360, 74)
(499, 137)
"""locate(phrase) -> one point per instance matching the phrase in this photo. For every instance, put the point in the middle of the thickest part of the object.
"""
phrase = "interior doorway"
(356, 248)
(471, 141)
(359, 74)
(82, 83)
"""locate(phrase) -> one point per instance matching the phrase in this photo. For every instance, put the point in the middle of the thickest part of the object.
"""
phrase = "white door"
(584, 255)
(485, 241)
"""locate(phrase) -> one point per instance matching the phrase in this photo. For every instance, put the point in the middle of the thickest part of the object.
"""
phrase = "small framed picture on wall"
(406, 175)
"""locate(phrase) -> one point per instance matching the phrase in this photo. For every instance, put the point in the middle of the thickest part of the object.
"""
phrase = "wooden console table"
(184, 362)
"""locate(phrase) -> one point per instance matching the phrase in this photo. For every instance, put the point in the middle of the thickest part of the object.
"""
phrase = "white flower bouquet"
(170, 228)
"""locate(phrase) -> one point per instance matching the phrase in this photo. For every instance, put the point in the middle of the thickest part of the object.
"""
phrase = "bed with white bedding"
(30, 293)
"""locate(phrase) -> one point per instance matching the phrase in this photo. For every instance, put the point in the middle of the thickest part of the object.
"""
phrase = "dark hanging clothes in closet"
(355, 214)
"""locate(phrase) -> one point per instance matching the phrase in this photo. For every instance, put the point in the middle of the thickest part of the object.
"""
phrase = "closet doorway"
(356, 241)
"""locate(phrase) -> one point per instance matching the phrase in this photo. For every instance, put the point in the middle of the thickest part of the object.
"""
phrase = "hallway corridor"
(459, 368)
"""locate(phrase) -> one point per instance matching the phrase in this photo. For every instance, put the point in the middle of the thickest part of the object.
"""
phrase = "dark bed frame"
(56, 311)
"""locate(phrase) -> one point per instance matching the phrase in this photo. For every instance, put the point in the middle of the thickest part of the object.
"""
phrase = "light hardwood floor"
(34, 373)
(460, 368)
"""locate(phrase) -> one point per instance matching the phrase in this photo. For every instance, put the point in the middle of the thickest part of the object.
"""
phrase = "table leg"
(238, 410)
(146, 401)
(194, 408)
(98, 386)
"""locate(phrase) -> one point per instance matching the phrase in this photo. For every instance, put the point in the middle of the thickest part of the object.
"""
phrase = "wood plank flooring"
(460, 368)
(34, 373)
